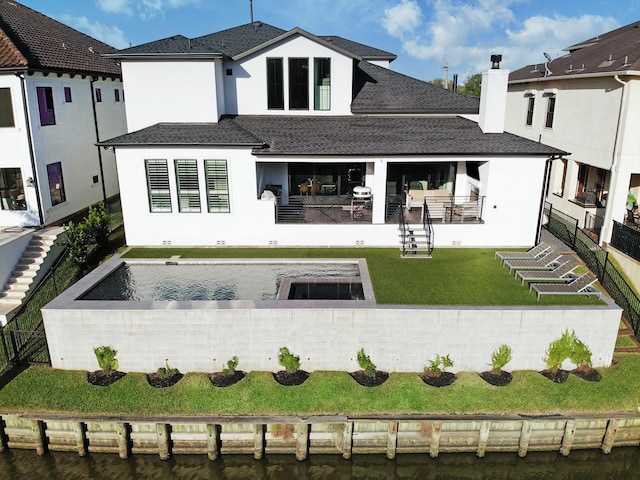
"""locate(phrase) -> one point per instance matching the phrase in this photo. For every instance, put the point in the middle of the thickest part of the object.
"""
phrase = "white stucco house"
(257, 136)
(59, 96)
(585, 102)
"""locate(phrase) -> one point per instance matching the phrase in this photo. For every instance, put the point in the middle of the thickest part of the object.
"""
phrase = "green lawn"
(454, 276)
(42, 389)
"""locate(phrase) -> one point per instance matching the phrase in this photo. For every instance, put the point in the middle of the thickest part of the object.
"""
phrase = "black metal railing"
(596, 258)
(626, 239)
(324, 210)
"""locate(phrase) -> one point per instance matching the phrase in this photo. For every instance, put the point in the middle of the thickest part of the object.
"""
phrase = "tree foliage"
(84, 238)
(471, 86)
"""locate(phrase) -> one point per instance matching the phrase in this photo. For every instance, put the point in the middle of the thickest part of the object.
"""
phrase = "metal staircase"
(416, 240)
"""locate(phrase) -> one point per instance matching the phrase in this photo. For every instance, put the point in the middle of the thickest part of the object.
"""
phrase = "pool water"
(174, 281)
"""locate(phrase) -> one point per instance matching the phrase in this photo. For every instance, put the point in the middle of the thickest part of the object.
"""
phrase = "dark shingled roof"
(29, 38)
(364, 51)
(615, 52)
(381, 90)
(340, 136)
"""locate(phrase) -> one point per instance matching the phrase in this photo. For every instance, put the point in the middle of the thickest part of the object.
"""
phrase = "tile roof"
(381, 90)
(614, 52)
(340, 136)
(30, 38)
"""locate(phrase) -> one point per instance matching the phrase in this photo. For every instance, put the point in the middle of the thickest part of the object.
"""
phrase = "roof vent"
(91, 50)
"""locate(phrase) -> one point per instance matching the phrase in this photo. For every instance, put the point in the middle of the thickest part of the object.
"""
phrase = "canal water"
(621, 463)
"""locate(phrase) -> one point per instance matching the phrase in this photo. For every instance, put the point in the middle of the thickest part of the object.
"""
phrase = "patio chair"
(562, 273)
(548, 261)
(534, 252)
(581, 285)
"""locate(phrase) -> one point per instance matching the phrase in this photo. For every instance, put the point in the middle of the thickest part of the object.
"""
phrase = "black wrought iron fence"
(626, 239)
(596, 258)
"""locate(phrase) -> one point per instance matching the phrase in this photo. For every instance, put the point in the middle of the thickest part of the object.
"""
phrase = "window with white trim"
(187, 185)
(6, 108)
(158, 186)
(551, 109)
(530, 105)
(217, 181)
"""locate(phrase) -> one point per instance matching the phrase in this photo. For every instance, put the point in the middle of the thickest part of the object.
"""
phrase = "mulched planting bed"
(157, 380)
(220, 379)
(442, 380)
(365, 380)
(559, 376)
(290, 379)
(590, 374)
(101, 378)
(499, 379)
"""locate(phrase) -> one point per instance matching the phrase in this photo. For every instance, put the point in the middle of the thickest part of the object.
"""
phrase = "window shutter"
(217, 186)
(158, 186)
(188, 188)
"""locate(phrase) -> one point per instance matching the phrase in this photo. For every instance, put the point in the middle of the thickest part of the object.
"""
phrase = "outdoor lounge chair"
(559, 274)
(548, 261)
(579, 286)
(534, 252)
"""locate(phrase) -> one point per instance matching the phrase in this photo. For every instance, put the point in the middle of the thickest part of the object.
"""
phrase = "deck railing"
(323, 210)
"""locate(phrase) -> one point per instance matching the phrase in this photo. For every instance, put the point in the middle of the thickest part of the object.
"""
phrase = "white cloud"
(114, 6)
(110, 35)
(402, 19)
(466, 33)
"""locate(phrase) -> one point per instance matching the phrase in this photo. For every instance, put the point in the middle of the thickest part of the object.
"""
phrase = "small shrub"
(85, 237)
(167, 371)
(366, 364)
(230, 366)
(97, 224)
(288, 360)
(580, 353)
(558, 351)
(500, 357)
(438, 365)
(106, 357)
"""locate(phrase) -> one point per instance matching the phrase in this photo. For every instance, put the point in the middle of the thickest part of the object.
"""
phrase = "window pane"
(98, 95)
(158, 185)
(217, 186)
(45, 105)
(298, 83)
(6, 108)
(530, 106)
(551, 107)
(56, 183)
(116, 95)
(275, 86)
(187, 183)
(11, 189)
(67, 95)
(322, 83)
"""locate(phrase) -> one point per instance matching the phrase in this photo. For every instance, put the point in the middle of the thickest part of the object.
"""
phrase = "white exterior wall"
(246, 90)
(195, 337)
(72, 139)
(170, 91)
(511, 209)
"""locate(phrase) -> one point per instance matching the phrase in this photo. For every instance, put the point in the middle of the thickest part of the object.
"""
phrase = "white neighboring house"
(256, 136)
(58, 97)
(586, 102)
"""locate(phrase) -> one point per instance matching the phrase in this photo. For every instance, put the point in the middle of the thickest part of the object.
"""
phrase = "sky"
(426, 35)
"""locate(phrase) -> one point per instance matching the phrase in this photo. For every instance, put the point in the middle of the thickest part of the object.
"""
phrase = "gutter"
(543, 195)
(32, 157)
(632, 73)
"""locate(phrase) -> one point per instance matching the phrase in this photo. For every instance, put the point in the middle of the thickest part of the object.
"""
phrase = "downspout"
(32, 155)
(543, 195)
(607, 223)
(95, 124)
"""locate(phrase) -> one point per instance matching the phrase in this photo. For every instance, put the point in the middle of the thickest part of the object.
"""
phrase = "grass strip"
(454, 276)
(325, 392)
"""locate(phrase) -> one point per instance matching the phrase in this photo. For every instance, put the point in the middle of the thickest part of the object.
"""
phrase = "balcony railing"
(459, 210)
(324, 210)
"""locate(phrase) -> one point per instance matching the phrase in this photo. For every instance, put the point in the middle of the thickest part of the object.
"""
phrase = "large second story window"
(215, 172)
(6, 108)
(298, 83)
(187, 184)
(551, 108)
(275, 85)
(56, 183)
(530, 104)
(322, 83)
(158, 186)
(45, 105)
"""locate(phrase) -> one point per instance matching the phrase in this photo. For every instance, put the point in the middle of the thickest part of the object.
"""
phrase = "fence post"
(14, 345)
(4, 346)
(575, 236)
(604, 266)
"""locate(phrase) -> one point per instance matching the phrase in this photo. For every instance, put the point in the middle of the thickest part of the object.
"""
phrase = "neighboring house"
(586, 102)
(257, 136)
(58, 97)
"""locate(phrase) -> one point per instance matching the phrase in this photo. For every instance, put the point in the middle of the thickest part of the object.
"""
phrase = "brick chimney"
(493, 97)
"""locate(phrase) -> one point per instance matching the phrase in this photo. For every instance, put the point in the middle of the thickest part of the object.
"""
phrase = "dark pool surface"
(622, 463)
(200, 282)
